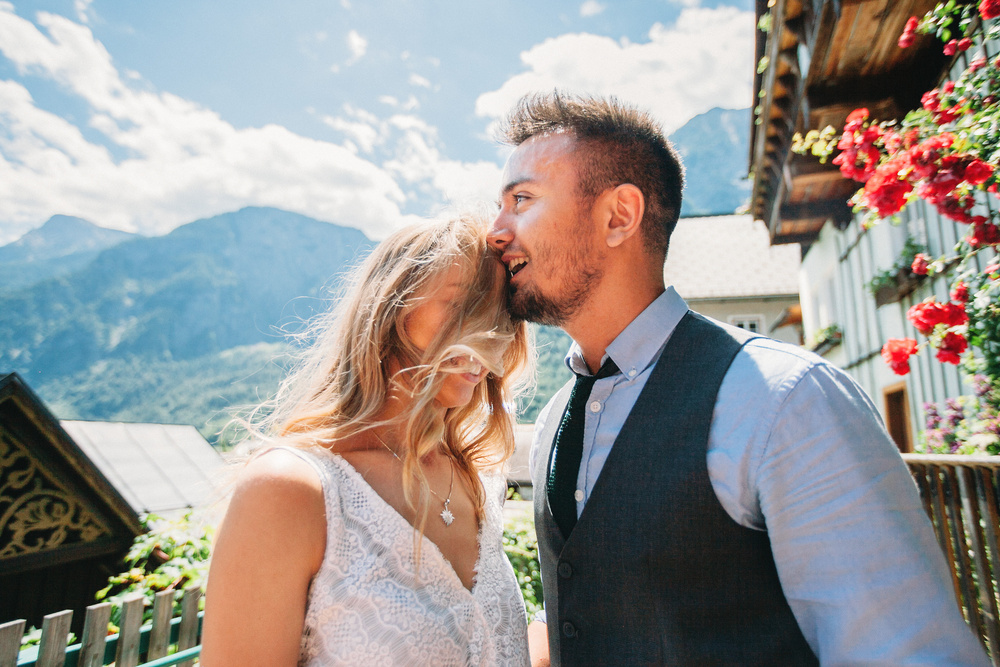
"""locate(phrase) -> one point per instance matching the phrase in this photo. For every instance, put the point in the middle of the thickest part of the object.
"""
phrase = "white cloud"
(418, 160)
(82, 8)
(417, 80)
(357, 45)
(183, 161)
(591, 8)
(682, 71)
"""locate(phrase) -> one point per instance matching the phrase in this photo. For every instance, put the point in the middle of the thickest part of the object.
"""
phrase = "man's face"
(544, 232)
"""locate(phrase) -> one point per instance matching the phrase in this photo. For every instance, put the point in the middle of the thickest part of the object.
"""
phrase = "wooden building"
(63, 526)
(822, 60)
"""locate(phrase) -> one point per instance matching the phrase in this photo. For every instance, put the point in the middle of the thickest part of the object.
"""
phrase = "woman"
(367, 529)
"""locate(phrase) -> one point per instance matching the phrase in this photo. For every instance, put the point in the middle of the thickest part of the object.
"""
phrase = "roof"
(825, 58)
(729, 257)
(158, 468)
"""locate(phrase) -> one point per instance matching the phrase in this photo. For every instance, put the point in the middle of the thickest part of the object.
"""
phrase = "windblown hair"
(343, 378)
(619, 143)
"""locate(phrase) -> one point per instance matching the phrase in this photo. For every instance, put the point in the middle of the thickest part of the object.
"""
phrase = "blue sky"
(147, 115)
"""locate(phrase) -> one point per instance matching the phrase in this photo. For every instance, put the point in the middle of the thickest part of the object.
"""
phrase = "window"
(752, 323)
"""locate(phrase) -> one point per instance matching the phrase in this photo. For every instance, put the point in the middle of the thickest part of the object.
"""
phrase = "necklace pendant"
(446, 514)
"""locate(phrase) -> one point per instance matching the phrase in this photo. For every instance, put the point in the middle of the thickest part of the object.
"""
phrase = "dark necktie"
(569, 450)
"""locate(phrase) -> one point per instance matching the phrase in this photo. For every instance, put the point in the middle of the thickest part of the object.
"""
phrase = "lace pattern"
(368, 606)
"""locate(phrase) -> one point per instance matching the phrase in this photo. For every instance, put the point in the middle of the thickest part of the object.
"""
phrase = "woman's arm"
(270, 545)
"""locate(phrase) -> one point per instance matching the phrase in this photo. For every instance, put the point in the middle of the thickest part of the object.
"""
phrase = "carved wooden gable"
(55, 504)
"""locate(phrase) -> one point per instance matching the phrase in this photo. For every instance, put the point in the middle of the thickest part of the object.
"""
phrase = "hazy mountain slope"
(714, 148)
(61, 246)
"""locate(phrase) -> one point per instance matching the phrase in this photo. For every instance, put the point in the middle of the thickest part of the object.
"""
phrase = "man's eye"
(519, 198)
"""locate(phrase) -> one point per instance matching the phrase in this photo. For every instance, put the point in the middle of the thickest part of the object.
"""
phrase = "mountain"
(116, 338)
(59, 247)
(714, 147)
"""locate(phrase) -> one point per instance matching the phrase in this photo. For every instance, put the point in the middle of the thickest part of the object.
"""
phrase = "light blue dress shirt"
(796, 448)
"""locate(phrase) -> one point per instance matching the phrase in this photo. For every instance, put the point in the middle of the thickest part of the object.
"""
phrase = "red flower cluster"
(940, 177)
(989, 9)
(983, 234)
(925, 317)
(960, 292)
(951, 346)
(897, 353)
(919, 265)
(885, 192)
(931, 100)
(928, 314)
(955, 45)
(859, 155)
(909, 32)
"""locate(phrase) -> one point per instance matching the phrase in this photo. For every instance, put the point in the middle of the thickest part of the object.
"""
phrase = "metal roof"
(158, 468)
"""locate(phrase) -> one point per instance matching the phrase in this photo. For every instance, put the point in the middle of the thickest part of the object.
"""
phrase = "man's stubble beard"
(580, 274)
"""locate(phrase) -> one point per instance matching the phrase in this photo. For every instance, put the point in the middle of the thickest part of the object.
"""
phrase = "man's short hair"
(622, 145)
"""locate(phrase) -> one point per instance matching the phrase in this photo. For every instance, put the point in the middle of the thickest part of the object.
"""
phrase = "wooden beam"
(828, 209)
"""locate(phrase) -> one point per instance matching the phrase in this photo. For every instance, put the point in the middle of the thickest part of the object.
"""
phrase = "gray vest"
(655, 571)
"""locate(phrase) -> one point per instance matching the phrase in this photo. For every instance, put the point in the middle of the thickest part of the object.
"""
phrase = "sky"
(143, 116)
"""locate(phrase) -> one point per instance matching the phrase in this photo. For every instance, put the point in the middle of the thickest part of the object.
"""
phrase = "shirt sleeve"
(855, 552)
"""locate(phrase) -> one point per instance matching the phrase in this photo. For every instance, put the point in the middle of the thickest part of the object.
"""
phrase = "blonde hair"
(343, 379)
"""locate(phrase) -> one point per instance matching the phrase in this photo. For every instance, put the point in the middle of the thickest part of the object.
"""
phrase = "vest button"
(568, 629)
(565, 570)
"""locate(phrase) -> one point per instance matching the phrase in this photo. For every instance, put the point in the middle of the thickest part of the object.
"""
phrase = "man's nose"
(500, 233)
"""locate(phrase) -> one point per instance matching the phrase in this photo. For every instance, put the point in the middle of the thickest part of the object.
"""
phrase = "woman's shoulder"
(281, 476)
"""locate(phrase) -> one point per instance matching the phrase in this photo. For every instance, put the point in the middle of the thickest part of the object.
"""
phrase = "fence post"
(95, 635)
(128, 637)
(188, 635)
(10, 642)
(159, 636)
(52, 647)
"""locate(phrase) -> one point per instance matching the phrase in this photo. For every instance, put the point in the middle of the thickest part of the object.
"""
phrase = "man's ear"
(625, 207)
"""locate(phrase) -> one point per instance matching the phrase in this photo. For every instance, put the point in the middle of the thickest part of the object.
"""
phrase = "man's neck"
(605, 315)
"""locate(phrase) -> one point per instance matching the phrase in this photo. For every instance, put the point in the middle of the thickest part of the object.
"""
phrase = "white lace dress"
(366, 605)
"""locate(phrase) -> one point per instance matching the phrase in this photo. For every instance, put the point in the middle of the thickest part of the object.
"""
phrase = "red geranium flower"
(909, 32)
(952, 345)
(960, 292)
(951, 47)
(977, 172)
(964, 44)
(897, 353)
(919, 265)
(989, 9)
(885, 192)
(983, 234)
(928, 314)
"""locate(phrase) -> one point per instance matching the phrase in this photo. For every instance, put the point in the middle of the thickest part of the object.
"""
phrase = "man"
(702, 496)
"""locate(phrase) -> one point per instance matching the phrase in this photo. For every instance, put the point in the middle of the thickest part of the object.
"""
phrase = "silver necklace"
(446, 514)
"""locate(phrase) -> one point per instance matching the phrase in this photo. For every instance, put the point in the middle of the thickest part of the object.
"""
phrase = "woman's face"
(424, 323)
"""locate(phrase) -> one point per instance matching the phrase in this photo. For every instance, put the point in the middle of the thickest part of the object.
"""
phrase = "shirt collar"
(640, 343)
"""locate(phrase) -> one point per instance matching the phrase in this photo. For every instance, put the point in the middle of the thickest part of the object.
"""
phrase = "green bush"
(521, 546)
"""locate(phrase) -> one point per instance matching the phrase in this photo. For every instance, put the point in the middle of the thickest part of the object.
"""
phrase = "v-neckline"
(368, 488)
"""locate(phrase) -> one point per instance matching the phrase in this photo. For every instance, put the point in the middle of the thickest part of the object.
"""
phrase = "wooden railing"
(960, 495)
(152, 643)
